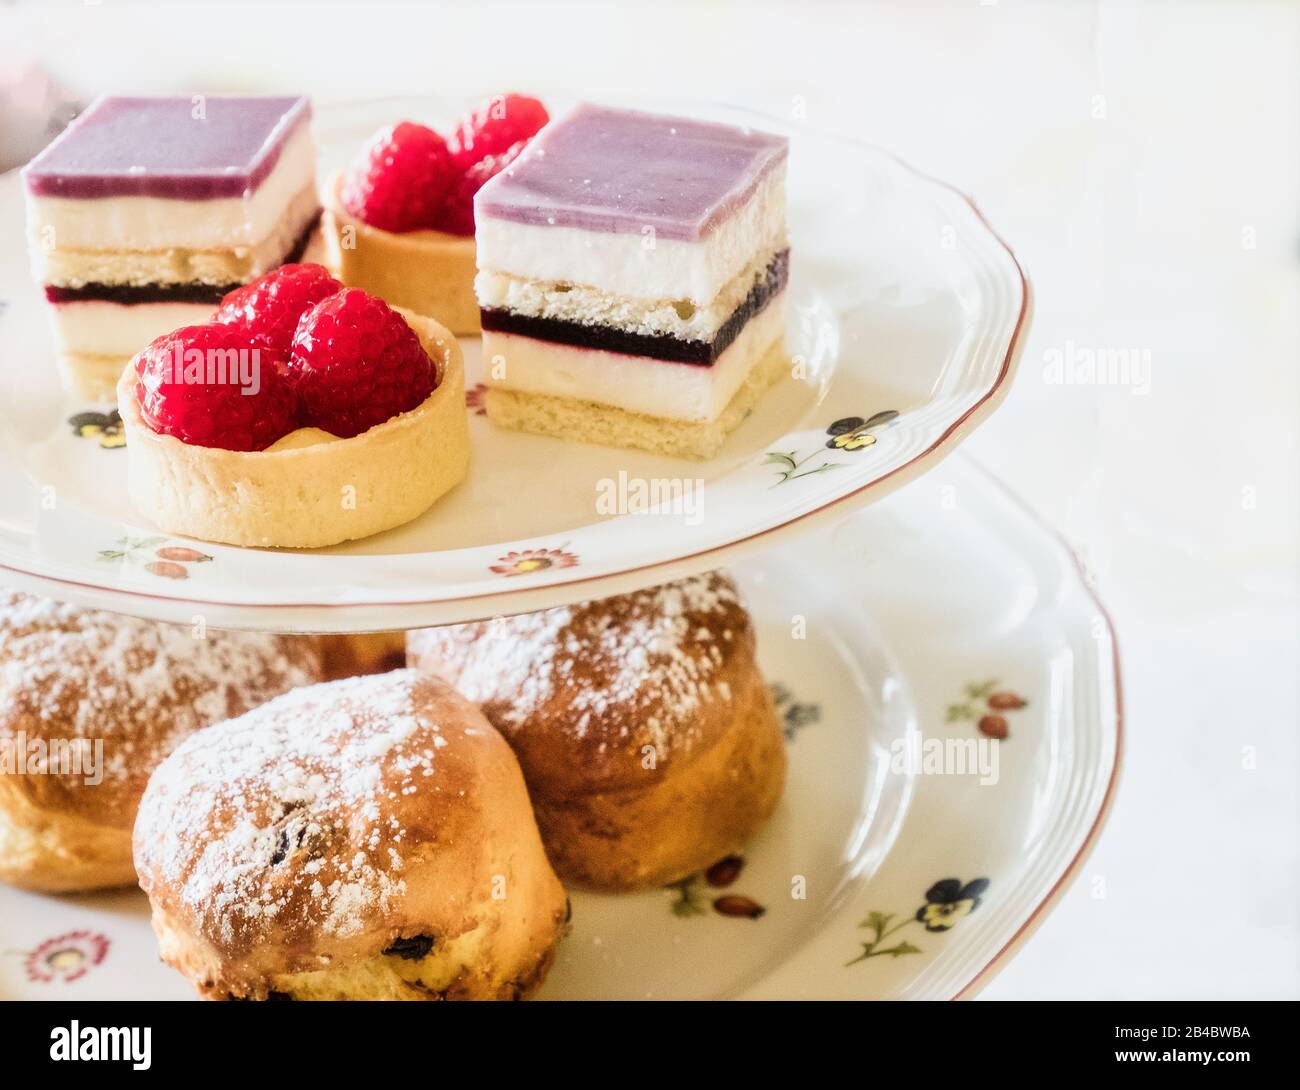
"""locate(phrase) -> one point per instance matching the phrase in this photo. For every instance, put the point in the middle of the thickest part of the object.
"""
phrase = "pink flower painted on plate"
(66, 957)
(476, 399)
(527, 561)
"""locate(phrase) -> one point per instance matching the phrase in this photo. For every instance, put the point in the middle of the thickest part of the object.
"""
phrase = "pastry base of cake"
(310, 496)
(429, 272)
(93, 377)
(588, 422)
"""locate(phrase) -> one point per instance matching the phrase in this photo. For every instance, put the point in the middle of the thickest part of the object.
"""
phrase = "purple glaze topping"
(157, 147)
(603, 169)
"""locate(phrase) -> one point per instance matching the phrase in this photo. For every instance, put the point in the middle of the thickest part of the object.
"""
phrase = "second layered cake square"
(632, 269)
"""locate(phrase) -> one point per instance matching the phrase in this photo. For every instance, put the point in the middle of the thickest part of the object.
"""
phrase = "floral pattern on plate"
(66, 957)
(986, 704)
(946, 903)
(848, 434)
(160, 559)
(106, 428)
(528, 561)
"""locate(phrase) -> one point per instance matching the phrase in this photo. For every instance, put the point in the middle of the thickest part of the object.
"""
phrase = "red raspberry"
(456, 216)
(193, 383)
(400, 178)
(496, 125)
(356, 363)
(268, 309)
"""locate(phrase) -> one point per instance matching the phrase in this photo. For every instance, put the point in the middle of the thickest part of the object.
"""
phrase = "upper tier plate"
(902, 300)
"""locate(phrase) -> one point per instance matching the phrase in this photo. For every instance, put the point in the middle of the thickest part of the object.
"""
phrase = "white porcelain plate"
(903, 301)
(910, 853)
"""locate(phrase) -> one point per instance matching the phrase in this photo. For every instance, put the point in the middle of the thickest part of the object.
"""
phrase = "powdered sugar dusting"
(284, 819)
(141, 686)
(634, 668)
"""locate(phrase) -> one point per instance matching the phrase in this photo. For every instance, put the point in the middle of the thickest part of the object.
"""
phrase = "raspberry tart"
(401, 219)
(304, 415)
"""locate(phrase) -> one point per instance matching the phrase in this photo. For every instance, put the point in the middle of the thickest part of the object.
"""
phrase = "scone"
(361, 839)
(90, 703)
(400, 221)
(306, 415)
(646, 733)
(359, 653)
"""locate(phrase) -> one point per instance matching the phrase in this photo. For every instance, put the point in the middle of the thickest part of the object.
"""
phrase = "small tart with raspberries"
(304, 415)
(400, 220)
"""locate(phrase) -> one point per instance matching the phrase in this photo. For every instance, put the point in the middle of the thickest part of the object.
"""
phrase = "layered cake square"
(632, 270)
(144, 212)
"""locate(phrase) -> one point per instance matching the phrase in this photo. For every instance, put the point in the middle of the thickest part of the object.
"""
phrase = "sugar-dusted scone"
(362, 839)
(90, 703)
(400, 220)
(144, 212)
(645, 731)
(322, 416)
(353, 654)
(632, 274)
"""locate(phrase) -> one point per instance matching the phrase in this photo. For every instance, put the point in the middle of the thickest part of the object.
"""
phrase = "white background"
(1142, 160)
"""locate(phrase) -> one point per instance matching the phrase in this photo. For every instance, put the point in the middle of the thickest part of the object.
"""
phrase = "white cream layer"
(673, 391)
(100, 328)
(156, 223)
(640, 265)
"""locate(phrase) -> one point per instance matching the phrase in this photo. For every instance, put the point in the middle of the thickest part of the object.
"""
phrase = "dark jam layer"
(133, 294)
(659, 346)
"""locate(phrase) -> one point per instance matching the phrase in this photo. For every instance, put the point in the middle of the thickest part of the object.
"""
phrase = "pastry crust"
(312, 496)
(429, 272)
(362, 839)
(645, 730)
(123, 692)
(91, 376)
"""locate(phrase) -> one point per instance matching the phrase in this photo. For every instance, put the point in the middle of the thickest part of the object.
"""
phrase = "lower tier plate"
(911, 853)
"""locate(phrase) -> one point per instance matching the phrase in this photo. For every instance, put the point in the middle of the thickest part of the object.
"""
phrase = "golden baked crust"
(365, 838)
(312, 496)
(73, 677)
(363, 653)
(429, 272)
(644, 728)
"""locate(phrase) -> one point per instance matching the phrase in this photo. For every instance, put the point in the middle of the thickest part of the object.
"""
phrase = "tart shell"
(313, 496)
(429, 272)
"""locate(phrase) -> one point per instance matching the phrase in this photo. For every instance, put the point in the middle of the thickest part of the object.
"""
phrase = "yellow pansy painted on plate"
(848, 435)
(106, 428)
(947, 902)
